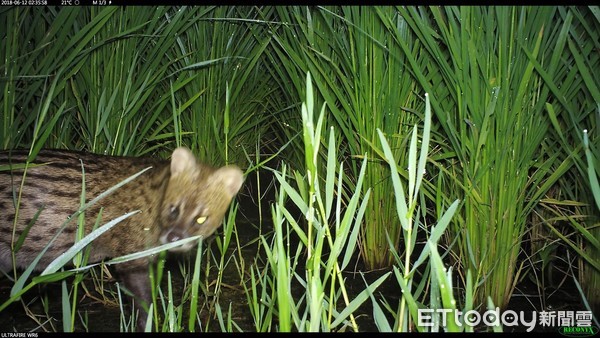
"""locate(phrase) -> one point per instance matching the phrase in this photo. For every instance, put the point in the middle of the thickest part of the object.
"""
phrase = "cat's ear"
(231, 177)
(182, 160)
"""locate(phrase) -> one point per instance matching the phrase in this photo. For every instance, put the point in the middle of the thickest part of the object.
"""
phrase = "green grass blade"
(68, 255)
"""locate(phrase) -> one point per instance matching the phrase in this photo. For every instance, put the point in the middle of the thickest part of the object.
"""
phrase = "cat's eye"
(200, 220)
(173, 212)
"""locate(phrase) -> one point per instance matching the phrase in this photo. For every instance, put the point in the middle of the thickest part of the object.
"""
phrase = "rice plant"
(574, 109)
(408, 212)
(414, 277)
(591, 272)
(510, 89)
(359, 66)
(222, 92)
(583, 238)
(118, 75)
(132, 81)
(490, 99)
(328, 239)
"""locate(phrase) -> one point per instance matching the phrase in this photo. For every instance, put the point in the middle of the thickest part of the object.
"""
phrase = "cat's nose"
(174, 235)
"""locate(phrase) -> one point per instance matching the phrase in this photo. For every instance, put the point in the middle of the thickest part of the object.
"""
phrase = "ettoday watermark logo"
(569, 323)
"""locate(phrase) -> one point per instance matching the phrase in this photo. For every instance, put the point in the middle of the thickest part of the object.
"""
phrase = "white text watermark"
(494, 317)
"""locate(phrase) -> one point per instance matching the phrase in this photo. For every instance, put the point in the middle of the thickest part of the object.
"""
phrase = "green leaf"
(68, 255)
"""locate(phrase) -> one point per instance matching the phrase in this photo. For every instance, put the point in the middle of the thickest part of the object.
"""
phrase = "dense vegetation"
(455, 147)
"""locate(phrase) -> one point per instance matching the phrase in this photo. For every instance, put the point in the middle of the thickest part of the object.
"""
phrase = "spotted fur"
(177, 199)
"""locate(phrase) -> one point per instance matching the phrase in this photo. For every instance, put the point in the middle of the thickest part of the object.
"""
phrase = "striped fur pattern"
(177, 198)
